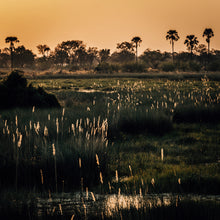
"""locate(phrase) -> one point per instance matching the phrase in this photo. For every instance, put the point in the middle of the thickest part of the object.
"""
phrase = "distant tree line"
(73, 55)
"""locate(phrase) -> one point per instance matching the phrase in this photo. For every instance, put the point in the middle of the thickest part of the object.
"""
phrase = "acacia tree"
(208, 33)
(12, 41)
(172, 35)
(137, 41)
(191, 42)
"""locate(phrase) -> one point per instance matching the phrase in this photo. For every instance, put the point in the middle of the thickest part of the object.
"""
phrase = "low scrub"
(107, 68)
(196, 114)
(168, 67)
(14, 92)
(134, 68)
(156, 123)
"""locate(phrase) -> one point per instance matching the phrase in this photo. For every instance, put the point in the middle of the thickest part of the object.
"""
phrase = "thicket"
(15, 92)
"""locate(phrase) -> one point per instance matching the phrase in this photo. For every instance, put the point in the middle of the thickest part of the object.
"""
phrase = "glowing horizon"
(103, 24)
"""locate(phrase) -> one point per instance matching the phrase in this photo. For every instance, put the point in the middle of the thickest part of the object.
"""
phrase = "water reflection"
(93, 204)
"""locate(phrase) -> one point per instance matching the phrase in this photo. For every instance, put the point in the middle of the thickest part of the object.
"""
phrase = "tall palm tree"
(208, 33)
(12, 41)
(191, 42)
(172, 35)
(137, 41)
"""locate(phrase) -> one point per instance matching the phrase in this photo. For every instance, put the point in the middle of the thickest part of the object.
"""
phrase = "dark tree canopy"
(191, 42)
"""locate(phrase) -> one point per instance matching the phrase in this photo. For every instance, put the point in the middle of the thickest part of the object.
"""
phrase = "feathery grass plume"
(48, 117)
(19, 140)
(54, 150)
(57, 125)
(140, 192)
(45, 131)
(80, 162)
(33, 109)
(130, 170)
(16, 121)
(87, 193)
(63, 112)
(42, 177)
(97, 159)
(119, 191)
(60, 207)
(93, 197)
(162, 156)
(72, 217)
(55, 166)
(179, 180)
(101, 179)
(116, 176)
(153, 181)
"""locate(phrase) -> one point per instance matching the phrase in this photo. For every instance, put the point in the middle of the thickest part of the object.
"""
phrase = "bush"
(156, 123)
(73, 68)
(14, 92)
(194, 66)
(106, 68)
(168, 67)
(214, 66)
(193, 114)
(134, 68)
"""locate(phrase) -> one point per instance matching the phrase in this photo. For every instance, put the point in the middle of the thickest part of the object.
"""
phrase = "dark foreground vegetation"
(15, 92)
(123, 136)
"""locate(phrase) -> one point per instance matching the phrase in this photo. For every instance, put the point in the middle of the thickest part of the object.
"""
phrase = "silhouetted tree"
(124, 54)
(126, 46)
(71, 47)
(42, 49)
(12, 41)
(208, 33)
(23, 56)
(104, 55)
(191, 42)
(92, 55)
(137, 41)
(47, 50)
(60, 57)
(172, 35)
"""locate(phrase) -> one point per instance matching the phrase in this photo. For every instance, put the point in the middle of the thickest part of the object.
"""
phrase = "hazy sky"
(104, 23)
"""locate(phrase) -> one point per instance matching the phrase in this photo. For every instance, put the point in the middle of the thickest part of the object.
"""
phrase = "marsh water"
(88, 204)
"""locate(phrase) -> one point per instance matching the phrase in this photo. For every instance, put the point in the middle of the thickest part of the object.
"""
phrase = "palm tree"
(11, 40)
(137, 41)
(172, 35)
(208, 33)
(191, 41)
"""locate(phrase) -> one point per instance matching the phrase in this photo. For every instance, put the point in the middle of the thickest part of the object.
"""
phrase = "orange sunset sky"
(104, 23)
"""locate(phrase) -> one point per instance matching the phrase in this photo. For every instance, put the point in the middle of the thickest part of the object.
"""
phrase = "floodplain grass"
(191, 153)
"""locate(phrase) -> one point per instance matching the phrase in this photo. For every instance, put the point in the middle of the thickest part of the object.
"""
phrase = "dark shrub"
(168, 67)
(106, 68)
(134, 68)
(214, 66)
(210, 114)
(14, 92)
(137, 122)
(193, 66)
(15, 80)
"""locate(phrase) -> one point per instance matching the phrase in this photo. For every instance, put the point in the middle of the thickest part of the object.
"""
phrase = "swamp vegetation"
(114, 136)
